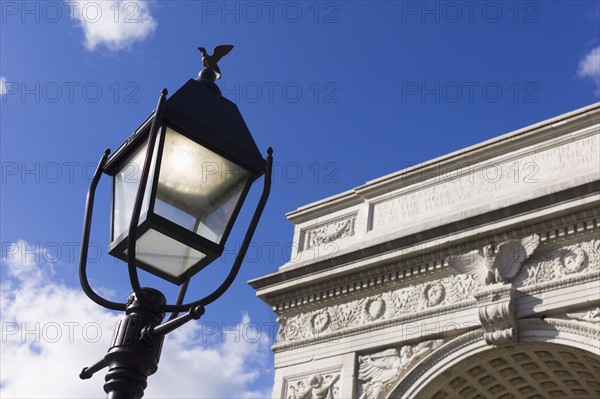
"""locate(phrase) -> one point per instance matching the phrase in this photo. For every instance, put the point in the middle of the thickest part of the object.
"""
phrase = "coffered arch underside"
(552, 358)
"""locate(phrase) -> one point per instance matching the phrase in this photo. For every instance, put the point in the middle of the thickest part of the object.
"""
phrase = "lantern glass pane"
(165, 254)
(126, 183)
(197, 188)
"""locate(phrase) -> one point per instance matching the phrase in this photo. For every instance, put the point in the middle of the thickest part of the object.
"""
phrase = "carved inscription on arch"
(457, 190)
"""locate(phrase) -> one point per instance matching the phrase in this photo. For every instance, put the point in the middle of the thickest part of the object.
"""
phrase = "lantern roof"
(199, 108)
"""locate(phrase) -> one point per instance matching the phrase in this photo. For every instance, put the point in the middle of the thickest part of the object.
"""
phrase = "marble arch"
(476, 274)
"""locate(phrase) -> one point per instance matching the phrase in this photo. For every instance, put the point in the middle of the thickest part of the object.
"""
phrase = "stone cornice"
(413, 263)
(568, 256)
(389, 244)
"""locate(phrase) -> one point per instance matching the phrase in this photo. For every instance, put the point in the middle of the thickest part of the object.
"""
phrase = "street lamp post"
(179, 182)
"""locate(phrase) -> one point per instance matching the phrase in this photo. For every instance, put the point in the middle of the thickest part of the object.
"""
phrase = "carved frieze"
(314, 386)
(328, 233)
(371, 309)
(395, 303)
(569, 261)
(378, 372)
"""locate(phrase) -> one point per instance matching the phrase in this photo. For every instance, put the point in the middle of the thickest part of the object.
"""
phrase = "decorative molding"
(565, 332)
(555, 268)
(378, 372)
(313, 386)
(328, 233)
(567, 227)
(573, 333)
(388, 305)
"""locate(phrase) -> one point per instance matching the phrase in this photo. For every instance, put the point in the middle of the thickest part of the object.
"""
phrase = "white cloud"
(115, 24)
(2, 85)
(589, 67)
(51, 331)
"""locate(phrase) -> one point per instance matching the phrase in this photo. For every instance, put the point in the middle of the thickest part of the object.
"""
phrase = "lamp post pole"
(131, 360)
(137, 343)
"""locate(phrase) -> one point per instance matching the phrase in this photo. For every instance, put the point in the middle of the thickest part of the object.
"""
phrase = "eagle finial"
(210, 61)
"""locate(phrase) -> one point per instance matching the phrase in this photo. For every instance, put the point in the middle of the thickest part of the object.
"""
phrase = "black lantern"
(179, 182)
(201, 168)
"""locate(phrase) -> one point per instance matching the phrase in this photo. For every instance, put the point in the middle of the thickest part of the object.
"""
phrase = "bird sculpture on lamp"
(210, 61)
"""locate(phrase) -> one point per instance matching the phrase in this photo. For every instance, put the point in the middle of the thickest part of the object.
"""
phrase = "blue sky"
(344, 92)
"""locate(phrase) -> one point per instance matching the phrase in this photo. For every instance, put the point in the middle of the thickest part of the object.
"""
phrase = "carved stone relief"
(374, 308)
(314, 386)
(591, 316)
(499, 323)
(548, 266)
(320, 321)
(329, 233)
(497, 314)
(378, 372)
(561, 263)
(385, 306)
(502, 265)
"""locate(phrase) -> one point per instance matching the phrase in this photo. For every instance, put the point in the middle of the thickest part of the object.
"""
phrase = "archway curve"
(553, 343)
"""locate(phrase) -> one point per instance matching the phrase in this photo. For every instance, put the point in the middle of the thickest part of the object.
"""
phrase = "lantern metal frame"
(133, 226)
(154, 221)
(135, 352)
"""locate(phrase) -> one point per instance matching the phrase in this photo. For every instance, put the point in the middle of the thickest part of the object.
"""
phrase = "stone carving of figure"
(320, 321)
(319, 387)
(591, 316)
(433, 294)
(378, 371)
(381, 370)
(489, 268)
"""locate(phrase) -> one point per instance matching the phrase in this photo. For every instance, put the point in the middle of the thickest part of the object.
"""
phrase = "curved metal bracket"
(85, 240)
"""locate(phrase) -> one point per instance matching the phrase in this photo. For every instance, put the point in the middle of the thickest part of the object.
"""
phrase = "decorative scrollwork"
(329, 233)
(315, 386)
